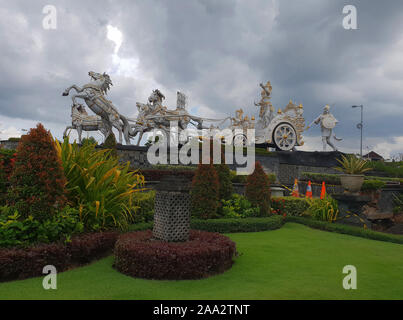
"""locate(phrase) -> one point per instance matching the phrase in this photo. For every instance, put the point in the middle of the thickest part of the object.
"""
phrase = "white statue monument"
(327, 122)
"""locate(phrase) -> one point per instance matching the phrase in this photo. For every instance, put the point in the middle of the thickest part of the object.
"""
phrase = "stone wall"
(6, 144)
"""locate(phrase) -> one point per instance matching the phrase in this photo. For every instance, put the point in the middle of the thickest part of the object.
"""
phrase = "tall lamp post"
(359, 126)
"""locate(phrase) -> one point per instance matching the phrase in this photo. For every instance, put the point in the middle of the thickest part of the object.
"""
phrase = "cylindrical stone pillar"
(172, 209)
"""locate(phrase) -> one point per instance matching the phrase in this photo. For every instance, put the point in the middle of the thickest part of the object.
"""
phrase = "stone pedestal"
(172, 209)
(351, 209)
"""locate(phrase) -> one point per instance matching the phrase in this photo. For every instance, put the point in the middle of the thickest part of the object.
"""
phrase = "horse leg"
(65, 131)
(79, 131)
(75, 87)
(78, 95)
(140, 136)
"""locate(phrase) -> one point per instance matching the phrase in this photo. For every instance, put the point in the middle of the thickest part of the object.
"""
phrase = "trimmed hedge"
(238, 225)
(17, 263)
(205, 254)
(346, 229)
(226, 225)
(290, 206)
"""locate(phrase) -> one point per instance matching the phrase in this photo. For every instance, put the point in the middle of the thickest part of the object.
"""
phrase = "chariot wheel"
(284, 137)
(240, 140)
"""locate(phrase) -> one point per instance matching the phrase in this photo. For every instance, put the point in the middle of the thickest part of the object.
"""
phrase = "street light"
(359, 126)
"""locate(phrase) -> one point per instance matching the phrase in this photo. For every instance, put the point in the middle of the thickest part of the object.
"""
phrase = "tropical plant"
(205, 192)
(257, 189)
(98, 185)
(326, 209)
(351, 164)
(238, 207)
(38, 181)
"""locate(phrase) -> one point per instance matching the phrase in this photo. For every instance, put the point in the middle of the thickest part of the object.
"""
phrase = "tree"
(224, 181)
(38, 181)
(110, 143)
(205, 192)
(258, 189)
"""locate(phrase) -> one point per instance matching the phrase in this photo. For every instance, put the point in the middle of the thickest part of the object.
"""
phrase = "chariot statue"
(282, 130)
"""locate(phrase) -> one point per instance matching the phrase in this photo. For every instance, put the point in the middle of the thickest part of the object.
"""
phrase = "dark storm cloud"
(215, 51)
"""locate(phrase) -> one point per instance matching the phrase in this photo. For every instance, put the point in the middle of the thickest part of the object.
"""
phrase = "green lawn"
(294, 262)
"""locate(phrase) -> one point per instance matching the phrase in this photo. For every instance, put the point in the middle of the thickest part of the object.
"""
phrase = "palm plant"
(100, 187)
(350, 164)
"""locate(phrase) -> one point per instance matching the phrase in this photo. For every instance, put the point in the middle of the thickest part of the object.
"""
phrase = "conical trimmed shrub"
(38, 181)
(205, 192)
(258, 190)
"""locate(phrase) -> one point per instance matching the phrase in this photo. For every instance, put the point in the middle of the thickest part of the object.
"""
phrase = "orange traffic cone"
(308, 192)
(295, 192)
(323, 191)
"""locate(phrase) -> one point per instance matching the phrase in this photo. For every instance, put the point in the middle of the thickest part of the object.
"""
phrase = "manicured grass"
(294, 262)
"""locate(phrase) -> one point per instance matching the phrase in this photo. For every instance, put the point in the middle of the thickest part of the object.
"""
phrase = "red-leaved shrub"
(257, 189)
(21, 263)
(205, 254)
(205, 192)
(38, 181)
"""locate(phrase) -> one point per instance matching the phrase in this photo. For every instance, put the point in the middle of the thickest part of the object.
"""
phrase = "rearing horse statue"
(93, 93)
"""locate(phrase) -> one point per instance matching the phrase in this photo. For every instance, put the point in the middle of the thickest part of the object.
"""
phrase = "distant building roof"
(372, 155)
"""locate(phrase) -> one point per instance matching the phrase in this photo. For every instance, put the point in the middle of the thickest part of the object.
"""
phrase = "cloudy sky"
(215, 51)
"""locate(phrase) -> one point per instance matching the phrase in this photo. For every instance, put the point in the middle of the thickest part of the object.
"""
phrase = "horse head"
(102, 79)
(156, 97)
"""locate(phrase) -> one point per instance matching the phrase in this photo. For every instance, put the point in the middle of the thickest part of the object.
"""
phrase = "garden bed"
(137, 254)
(21, 263)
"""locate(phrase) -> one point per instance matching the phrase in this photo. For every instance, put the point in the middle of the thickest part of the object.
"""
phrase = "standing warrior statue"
(265, 105)
(327, 123)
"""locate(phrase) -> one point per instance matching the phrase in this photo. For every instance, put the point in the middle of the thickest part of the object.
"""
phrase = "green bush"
(99, 186)
(205, 192)
(38, 181)
(346, 229)
(372, 185)
(238, 207)
(392, 169)
(144, 211)
(290, 206)
(257, 190)
(18, 231)
(90, 140)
